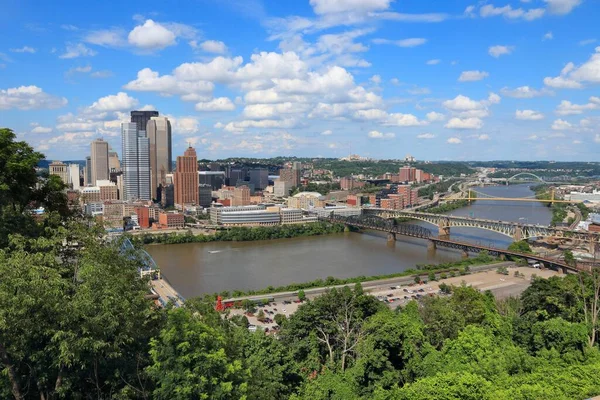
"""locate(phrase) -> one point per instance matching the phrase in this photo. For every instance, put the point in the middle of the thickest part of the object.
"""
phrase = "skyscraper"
(59, 169)
(87, 176)
(186, 178)
(74, 176)
(135, 162)
(158, 130)
(99, 161)
(259, 177)
(141, 118)
(114, 165)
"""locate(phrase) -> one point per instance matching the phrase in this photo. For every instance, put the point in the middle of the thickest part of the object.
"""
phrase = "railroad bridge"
(392, 228)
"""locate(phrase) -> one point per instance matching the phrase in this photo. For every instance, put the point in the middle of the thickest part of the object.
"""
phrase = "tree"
(260, 316)
(301, 295)
(189, 361)
(279, 319)
(521, 247)
(431, 276)
(569, 258)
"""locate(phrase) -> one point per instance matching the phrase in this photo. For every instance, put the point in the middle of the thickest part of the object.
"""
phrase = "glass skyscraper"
(135, 162)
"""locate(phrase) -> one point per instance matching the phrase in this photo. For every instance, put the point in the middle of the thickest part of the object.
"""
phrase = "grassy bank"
(450, 206)
(559, 210)
(241, 234)
(451, 269)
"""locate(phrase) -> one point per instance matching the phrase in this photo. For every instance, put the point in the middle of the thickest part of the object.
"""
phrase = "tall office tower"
(241, 196)
(99, 162)
(234, 175)
(141, 118)
(135, 162)
(114, 165)
(87, 173)
(74, 179)
(186, 179)
(259, 177)
(158, 130)
(59, 169)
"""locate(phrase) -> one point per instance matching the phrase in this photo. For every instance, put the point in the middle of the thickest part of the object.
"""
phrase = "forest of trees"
(75, 323)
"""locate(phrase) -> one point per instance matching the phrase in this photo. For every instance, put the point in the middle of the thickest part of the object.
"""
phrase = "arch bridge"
(148, 265)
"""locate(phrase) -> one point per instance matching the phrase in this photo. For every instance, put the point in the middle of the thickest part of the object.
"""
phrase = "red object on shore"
(219, 306)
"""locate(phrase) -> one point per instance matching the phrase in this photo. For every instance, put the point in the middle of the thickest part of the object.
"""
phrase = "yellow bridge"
(474, 195)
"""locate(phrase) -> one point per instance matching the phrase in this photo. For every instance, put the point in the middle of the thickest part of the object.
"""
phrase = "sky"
(441, 80)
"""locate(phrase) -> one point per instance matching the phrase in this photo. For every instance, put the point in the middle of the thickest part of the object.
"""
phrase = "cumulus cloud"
(464, 123)
(548, 36)
(380, 135)
(411, 42)
(118, 102)
(106, 37)
(210, 46)
(29, 98)
(75, 50)
(151, 36)
(483, 136)
(41, 129)
(575, 77)
(435, 116)
(525, 92)
(376, 79)
(425, 136)
(561, 125)
(561, 7)
(470, 76)
(433, 62)
(567, 108)
(326, 132)
(454, 140)
(218, 104)
(498, 50)
(528, 115)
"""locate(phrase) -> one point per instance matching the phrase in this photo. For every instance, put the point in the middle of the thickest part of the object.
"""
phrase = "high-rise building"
(234, 175)
(290, 175)
(114, 165)
(213, 178)
(141, 118)
(186, 178)
(74, 179)
(59, 169)
(87, 175)
(205, 195)
(241, 196)
(136, 162)
(158, 130)
(99, 161)
(259, 177)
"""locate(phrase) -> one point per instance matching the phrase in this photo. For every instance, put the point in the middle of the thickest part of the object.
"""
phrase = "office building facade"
(114, 165)
(59, 169)
(186, 179)
(141, 118)
(204, 195)
(87, 173)
(259, 177)
(213, 178)
(135, 163)
(99, 161)
(241, 196)
(158, 130)
(74, 176)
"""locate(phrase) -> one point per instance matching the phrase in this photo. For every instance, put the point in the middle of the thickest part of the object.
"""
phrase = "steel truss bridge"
(148, 267)
(514, 230)
(390, 226)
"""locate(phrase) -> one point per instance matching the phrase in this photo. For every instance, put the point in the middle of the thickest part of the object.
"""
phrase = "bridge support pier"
(391, 237)
(592, 246)
(444, 231)
(465, 254)
(518, 235)
(431, 246)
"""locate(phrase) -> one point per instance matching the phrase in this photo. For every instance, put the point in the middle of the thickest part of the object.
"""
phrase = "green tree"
(189, 361)
(569, 257)
(521, 246)
(301, 295)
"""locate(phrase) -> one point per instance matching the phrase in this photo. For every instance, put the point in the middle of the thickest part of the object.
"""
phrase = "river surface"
(197, 268)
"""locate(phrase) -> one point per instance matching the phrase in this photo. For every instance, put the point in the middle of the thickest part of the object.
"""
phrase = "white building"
(74, 176)
(282, 188)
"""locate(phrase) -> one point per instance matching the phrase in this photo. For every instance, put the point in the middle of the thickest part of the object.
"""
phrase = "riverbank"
(559, 210)
(422, 272)
(450, 206)
(242, 234)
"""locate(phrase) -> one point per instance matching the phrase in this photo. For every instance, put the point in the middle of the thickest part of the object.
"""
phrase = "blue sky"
(440, 80)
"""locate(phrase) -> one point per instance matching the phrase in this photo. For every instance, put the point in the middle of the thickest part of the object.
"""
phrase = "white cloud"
(586, 42)
(498, 50)
(532, 137)
(327, 132)
(548, 36)
(572, 77)
(464, 123)
(507, 11)
(418, 90)
(561, 7)
(376, 79)
(597, 138)
(217, 104)
(560, 125)
(29, 98)
(101, 74)
(412, 42)
(118, 102)
(462, 103)
(435, 61)
(567, 108)
(41, 129)
(525, 92)
(82, 70)
(151, 36)
(77, 50)
(435, 116)
(24, 49)
(425, 136)
(454, 140)
(210, 46)
(380, 135)
(483, 136)
(107, 37)
(340, 6)
(167, 85)
(470, 76)
(529, 115)
(576, 141)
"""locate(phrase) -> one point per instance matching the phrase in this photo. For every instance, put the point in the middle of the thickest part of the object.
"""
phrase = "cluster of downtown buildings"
(137, 190)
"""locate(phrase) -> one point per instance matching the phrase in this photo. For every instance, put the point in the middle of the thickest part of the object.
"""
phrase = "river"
(197, 268)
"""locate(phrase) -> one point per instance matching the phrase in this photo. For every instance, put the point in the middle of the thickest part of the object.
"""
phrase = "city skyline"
(380, 78)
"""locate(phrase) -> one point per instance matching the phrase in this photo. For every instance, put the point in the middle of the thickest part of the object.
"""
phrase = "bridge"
(392, 228)
(148, 265)
(515, 230)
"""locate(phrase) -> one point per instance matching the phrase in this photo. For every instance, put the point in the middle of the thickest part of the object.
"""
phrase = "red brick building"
(143, 214)
(185, 179)
(171, 220)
